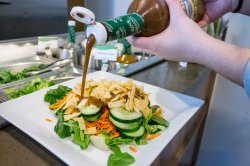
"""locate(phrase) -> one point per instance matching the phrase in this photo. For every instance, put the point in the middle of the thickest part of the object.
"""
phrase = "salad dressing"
(94, 101)
(90, 43)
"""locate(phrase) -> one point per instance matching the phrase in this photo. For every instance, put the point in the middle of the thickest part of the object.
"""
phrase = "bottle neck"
(124, 26)
(116, 28)
(71, 34)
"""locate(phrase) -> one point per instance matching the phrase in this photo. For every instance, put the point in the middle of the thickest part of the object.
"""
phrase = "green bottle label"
(124, 26)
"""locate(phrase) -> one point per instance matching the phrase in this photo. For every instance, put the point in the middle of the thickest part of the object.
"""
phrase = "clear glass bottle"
(71, 39)
(70, 49)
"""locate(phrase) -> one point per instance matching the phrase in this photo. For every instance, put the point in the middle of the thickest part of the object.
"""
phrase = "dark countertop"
(17, 148)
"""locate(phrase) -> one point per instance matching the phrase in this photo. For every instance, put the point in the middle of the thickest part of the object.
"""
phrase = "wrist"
(246, 78)
(199, 50)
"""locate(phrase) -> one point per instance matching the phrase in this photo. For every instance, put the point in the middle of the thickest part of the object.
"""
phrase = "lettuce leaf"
(154, 123)
(56, 94)
(151, 128)
(118, 141)
(34, 68)
(160, 121)
(142, 140)
(7, 76)
(77, 135)
(119, 158)
(35, 85)
(61, 129)
(80, 138)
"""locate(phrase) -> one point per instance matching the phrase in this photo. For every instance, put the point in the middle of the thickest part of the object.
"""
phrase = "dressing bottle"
(144, 18)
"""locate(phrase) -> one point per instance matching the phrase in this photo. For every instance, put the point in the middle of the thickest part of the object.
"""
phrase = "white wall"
(121, 7)
(106, 9)
(226, 140)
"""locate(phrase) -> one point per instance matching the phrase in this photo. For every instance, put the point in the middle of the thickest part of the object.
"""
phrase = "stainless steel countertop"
(170, 75)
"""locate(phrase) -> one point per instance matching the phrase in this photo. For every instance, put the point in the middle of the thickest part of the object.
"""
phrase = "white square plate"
(29, 114)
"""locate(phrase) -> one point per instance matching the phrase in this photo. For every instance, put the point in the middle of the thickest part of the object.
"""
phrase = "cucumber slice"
(125, 126)
(99, 142)
(90, 110)
(122, 115)
(135, 134)
(91, 118)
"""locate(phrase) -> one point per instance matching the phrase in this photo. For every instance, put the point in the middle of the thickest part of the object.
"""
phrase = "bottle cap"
(99, 31)
(71, 23)
(83, 15)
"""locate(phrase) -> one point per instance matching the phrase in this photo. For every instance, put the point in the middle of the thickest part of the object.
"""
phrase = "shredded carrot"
(154, 136)
(48, 120)
(109, 129)
(103, 123)
(116, 134)
(132, 149)
(59, 102)
(146, 136)
(158, 113)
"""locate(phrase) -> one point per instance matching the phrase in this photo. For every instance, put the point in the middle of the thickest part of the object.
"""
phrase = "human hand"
(179, 41)
(184, 40)
(214, 9)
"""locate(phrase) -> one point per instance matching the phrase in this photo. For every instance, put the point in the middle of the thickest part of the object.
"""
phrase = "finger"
(136, 42)
(204, 21)
(140, 42)
(175, 8)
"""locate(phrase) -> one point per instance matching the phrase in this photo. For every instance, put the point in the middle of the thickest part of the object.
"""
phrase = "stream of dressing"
(90, 43)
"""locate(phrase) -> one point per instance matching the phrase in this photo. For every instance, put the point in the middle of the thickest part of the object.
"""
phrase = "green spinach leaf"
(159, 120)
(35, 85)
(79, 137)
(119, 158)
(118, 141)
(61, 129)
(34, 68)
(10, 76)
(151, 128)
(56, 94)
(142, 140)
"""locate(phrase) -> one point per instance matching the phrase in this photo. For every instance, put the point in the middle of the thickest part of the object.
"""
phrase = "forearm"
(245, 8)
(224, 58)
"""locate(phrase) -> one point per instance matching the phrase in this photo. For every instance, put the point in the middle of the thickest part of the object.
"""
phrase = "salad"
(112, 113)
(36, 84)
(7, 76)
